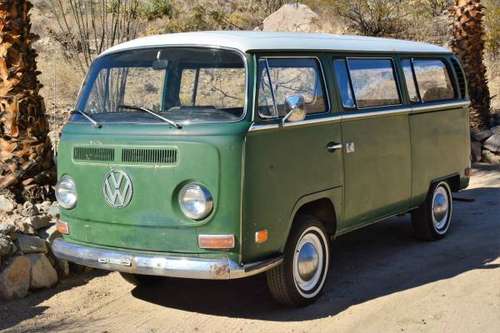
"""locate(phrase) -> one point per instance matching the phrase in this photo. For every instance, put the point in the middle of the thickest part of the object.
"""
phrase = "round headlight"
(66, 192)
(195, 201)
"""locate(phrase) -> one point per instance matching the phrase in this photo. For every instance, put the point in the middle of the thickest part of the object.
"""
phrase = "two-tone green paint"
(261, 173)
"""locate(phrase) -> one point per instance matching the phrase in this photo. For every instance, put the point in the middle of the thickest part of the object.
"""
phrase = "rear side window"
(283, 77)
(433, 80)
(373, 82)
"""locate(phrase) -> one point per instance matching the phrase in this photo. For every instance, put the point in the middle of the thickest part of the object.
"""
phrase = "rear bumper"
(158, 264)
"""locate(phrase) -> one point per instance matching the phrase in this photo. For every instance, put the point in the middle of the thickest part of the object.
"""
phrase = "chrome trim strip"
(361, 115)
(444, 106)
(375, 114)
(158, 264)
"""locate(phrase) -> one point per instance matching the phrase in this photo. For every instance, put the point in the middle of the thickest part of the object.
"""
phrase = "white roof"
(254, 40)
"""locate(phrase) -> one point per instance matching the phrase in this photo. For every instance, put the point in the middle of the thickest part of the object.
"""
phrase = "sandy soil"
(383, 280)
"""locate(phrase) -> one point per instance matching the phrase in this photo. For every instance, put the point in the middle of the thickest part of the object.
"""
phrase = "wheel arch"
(453, 181)
(325, 206)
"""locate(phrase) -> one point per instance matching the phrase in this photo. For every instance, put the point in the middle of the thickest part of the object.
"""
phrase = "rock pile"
(485, 145)
(26, 262)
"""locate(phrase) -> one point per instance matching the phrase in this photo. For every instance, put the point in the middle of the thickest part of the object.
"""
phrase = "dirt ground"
(383, 281)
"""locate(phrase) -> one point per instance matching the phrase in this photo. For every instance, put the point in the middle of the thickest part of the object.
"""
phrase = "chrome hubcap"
(308, 261)
(440, 209)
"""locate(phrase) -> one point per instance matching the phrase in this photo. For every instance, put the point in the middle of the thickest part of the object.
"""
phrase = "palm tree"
(468, 43)
(26, 162)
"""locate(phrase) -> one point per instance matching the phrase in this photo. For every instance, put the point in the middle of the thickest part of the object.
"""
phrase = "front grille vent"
(149, 155)
(460, 76)
(93, 154)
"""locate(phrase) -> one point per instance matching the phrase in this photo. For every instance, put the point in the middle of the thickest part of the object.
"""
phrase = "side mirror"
(295, 106)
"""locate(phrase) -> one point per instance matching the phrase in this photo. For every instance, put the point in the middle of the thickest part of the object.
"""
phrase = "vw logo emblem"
(117, 189)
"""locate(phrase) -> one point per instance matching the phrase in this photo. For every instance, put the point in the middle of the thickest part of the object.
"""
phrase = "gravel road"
(383, 280)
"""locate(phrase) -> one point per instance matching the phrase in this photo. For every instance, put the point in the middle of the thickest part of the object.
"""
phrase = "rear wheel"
(431, 221)
(299, 280)
(142, 280)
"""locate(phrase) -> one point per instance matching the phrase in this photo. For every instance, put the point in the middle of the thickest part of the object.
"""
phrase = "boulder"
(43, 275)
(480, 135)
(6, 204)
(31, 244)
(476, 148)
(292, 17)
(493, 143)
(15, 278)
(490, 157)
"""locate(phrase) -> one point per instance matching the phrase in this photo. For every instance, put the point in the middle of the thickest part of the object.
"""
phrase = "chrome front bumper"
(158, 264)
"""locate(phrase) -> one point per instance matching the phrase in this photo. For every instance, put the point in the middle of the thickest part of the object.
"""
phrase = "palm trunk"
(26, 163)
(468, 43)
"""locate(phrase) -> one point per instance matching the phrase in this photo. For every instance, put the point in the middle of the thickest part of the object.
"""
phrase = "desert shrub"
(492, 23)
(154, 9)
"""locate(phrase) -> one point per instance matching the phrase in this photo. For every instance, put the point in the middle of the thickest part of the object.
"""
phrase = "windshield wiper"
(141, 108)
(89, 118)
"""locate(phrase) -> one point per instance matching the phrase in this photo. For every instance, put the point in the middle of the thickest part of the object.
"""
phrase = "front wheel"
(299, 280)
(432, 219)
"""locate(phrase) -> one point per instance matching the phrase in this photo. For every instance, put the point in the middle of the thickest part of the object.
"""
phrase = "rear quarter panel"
(440, 147)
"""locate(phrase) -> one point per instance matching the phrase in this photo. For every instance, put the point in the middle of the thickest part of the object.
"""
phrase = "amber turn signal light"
(216, 242)
(62, 227)
(261, 236)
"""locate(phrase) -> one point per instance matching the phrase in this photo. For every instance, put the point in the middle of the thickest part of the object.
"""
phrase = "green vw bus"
(220, 155)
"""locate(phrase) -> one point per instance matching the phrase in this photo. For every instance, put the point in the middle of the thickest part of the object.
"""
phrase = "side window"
(433, 80)
(280, 78)
(344, 84)
(373, 82)
(410, 80)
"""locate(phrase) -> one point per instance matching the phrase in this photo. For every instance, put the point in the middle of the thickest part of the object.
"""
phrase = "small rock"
(24, 227)
(49, 234)
(493, 143)
(44, 206)
(54, 210)
(38, 221)
(6, 205)
(5, 246)
(7, 229)
(31, 244)
(490, 157)
(476, 148)
(15, 278)
(43, 275)
(29, 209)
(62, 267)
(496, 130)
(480, 135)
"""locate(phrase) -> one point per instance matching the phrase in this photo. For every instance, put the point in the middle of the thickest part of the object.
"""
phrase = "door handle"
(333, 146)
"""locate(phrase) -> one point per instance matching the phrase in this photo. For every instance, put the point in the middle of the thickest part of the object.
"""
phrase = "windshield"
(183, 85)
